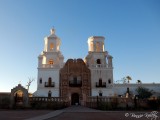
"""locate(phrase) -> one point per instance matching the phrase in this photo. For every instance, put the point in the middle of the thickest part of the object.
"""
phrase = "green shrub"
(144, 92)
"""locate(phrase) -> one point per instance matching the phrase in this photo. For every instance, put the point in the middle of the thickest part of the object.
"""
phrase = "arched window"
(40, 80)
(98, 61)
(51, 46)
(49, 93)
(51, 62)
(109, 81)
(100, 93)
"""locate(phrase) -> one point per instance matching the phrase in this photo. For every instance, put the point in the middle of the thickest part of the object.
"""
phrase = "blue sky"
(131, 29)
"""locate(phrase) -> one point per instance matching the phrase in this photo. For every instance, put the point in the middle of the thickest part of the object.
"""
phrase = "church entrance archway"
(75, 98)
(18, 96)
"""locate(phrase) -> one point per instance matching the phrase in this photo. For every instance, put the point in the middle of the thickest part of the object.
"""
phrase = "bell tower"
(50, 61)
(97, 54)
(100, 64)
(51, 55)
(52, 42)
(96, 44)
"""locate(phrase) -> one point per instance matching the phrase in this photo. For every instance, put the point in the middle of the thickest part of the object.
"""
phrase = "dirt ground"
(80, 113)
(21, 114)
(103, 116)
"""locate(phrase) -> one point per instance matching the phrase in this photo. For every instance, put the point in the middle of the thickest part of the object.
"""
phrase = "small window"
(49, 93)
(51, 46)
(40, 80)
(98, 61)
(109, 81)
(51, 62)
(100, 93)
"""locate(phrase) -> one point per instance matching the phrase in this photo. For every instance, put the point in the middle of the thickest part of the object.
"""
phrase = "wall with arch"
(14, 96)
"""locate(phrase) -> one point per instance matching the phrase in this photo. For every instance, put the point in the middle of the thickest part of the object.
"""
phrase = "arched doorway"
(75, 99)
(18, 97)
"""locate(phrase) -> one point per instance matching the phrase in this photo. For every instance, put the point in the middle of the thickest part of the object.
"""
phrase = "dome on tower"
(52, 33)
(96, 43)
(53, 36)
(95, 38)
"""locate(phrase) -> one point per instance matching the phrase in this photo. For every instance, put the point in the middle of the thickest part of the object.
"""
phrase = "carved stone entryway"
(75, 80)
(19, 97)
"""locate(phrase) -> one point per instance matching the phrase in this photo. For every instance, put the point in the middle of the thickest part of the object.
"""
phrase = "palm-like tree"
(128, 78)
(139, 81)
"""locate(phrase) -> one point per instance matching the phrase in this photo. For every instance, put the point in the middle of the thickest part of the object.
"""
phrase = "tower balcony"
(99, 66)
(49, 84)
(103, 84)
(49, 66)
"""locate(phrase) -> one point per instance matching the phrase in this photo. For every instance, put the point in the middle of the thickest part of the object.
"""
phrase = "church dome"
(53, 36)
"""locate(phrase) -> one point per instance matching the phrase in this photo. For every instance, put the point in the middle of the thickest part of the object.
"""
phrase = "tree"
(30, 80)
(123, 80)
(128, 78)
(143, 92)
(139, 81)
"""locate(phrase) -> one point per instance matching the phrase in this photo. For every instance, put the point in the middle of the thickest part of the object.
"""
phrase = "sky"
(131, 29)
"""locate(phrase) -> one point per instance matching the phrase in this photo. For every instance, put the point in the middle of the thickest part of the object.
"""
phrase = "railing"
(47, 84)
(47, 99)
(100, 66)
(95, 101)
(75, 84)
(103, 84)
(49, 66)
(107, 99)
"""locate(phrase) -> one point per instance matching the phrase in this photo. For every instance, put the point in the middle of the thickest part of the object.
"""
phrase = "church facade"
(78, 78)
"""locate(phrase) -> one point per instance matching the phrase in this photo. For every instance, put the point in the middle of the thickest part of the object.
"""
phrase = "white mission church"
(77, 78)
